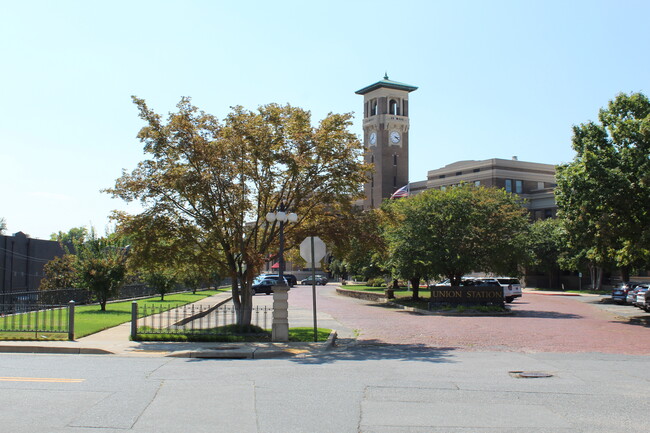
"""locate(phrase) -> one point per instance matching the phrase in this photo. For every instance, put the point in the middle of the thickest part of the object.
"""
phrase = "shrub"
(377, 282)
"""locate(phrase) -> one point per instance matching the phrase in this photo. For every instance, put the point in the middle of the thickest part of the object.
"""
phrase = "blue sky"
(496, 79)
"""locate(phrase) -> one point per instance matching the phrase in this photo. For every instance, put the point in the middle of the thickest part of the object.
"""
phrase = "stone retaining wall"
(361, 294)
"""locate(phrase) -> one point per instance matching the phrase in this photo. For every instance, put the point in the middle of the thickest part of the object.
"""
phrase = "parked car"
(646, 303)
(319, 281)
(619, 294)
(640, 296)
(265, 285)
(290, 278)
(631, 295)
(511, 288)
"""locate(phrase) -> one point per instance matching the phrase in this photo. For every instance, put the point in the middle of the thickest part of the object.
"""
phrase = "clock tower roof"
(390, 84)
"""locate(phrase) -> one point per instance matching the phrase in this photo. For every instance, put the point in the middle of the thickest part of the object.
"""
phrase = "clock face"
(394, 136)
(373, 138)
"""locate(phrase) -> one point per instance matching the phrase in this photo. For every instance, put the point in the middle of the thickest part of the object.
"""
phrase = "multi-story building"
(386, 136)
(532, 181)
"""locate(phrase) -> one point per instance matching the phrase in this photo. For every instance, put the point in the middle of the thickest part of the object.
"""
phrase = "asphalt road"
(367, 388)
(405, 374)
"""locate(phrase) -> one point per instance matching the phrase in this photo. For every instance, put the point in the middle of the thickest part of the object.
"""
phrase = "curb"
(547, 293)
(55, 350)
(445, 313)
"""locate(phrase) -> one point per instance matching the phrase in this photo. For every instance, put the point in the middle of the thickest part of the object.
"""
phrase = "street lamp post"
(280, 326)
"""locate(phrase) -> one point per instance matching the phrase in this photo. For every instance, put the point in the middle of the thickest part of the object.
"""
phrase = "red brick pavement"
(539, 324)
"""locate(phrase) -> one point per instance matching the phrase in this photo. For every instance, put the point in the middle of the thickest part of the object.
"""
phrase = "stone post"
(280, 326)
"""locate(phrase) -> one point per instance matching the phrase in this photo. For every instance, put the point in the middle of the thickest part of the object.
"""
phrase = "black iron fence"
(80, 296)
(37, 321)
(193, 319)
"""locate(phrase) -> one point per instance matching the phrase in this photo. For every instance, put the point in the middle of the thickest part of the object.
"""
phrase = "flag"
(402, 192)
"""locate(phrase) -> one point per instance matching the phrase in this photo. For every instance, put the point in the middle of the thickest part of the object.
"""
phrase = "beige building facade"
(386, 137)
(532, 181)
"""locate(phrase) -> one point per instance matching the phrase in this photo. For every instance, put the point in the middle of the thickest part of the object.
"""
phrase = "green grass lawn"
(89, 319)
(231, 333)
(402, 292)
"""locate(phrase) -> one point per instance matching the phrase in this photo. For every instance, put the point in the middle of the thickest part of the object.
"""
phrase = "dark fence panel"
(195, 319)
(80, 296)
(34, 318)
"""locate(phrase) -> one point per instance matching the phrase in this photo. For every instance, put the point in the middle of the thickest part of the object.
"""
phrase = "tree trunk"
(415, 287)
(625, 274)
(599, 278)
(243, 299)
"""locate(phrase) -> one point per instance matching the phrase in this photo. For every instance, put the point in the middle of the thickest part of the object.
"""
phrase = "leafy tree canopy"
(603, 195)
(214, 182)
(451, 233)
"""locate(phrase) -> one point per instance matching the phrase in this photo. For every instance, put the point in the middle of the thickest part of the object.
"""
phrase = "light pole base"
(280, 326)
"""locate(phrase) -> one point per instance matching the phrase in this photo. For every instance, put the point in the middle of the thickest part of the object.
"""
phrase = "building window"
(393, 107)
(508, 185)
(394, 159)
(548, 213)
(458, 173)
(373, 107)
(540, 185)
(443, 188)
(442, 176)
(519, 186)
(394, 181)
(476, 170)
(477, 183)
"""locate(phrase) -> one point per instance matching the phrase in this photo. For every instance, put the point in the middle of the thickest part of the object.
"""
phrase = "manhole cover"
(530, 374)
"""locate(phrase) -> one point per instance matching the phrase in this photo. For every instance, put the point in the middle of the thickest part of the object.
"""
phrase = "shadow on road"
(537, 314)
(365, 350)
(636, 320)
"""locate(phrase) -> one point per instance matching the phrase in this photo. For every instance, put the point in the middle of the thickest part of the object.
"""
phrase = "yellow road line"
(40, 379)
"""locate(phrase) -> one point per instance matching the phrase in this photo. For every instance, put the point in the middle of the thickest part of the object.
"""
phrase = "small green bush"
(377, 282)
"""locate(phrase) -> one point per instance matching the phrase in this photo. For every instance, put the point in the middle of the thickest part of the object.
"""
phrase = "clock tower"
(386, 137)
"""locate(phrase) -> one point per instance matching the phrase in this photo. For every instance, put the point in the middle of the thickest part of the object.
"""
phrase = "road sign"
(319, 250)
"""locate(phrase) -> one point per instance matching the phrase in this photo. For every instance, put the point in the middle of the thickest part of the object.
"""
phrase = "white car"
(511, 288)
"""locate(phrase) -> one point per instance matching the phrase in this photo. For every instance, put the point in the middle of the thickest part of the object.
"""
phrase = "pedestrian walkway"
(116, 340)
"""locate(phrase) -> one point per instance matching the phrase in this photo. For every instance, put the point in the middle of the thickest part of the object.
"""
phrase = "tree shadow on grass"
(101, 313)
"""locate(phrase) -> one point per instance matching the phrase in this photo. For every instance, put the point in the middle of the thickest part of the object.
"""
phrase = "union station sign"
(467, 295)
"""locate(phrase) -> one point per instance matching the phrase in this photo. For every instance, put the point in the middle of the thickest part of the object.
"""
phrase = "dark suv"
(619, 294)
(290, 278)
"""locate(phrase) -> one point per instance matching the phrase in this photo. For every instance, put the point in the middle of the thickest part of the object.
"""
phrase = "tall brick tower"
(386, 137)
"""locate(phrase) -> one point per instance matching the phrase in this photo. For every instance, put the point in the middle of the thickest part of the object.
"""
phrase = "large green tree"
(220, 179)
(101, 265)
(451, 233)
(71, 237)
(603, 195)
(547, 243)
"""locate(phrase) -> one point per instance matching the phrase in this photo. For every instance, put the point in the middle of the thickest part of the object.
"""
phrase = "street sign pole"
(313, 287)
(313, 250)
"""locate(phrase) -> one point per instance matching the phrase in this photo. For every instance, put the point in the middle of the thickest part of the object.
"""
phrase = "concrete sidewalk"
(116, 341)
